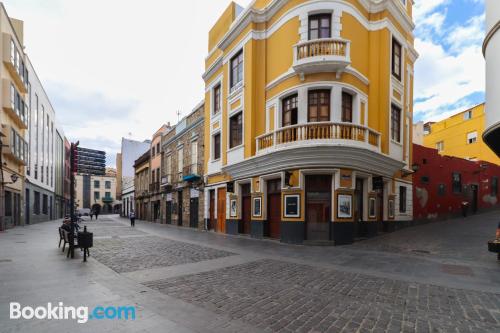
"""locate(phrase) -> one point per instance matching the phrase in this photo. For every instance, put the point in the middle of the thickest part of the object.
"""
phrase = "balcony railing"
(322, 55)
(325, 131)
(154, 187)
(191, 172)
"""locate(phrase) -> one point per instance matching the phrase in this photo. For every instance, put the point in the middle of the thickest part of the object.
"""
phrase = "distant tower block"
(491, 51)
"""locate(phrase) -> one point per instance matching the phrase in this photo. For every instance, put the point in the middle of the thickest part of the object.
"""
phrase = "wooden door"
(193, 213)
(318, 207)
(211, 221)
(179, 209)
(221, 210)
(274, 208)
(246, 209)
(169, 212)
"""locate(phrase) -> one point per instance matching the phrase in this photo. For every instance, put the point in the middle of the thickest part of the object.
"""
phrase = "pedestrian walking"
(132, 218)
(96, 213)
(91, 215)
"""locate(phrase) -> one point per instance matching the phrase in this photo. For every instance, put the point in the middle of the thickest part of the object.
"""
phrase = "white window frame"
(471, 137)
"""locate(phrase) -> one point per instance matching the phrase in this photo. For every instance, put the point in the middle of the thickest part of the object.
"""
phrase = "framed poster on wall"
(371, 208)
(233, 208)
(344, 206)
(391, 208)
(292, 205)
(257, 207)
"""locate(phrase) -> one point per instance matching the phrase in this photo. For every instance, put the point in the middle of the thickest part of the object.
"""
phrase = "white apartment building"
(130, 151)
(40, 169)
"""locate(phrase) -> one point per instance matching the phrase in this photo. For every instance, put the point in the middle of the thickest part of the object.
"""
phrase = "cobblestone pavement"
(433, 278)
(286, 297)
(138, 253)
(463, 239)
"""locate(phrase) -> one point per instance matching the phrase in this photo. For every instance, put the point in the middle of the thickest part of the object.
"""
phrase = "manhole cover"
(5, 260)
(421, 251)
(457, 270)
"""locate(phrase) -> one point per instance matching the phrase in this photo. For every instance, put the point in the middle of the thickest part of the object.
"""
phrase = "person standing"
(132, 218)
(91, 214)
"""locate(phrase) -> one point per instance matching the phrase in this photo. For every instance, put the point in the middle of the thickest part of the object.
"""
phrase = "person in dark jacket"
(132, 218)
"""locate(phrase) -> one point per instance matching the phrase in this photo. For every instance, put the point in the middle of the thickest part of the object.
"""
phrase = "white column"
(302, 112)
(336, 104)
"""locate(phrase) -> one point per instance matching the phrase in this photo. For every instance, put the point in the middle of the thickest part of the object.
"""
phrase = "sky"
(122, 68)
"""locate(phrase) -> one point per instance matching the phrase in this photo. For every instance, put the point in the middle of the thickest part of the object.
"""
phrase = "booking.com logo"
(81, 314)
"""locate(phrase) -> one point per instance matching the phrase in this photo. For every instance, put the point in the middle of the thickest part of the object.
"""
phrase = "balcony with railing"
(108, 199)
(154, 187)
(319, 133)
(14, 62)
(191, 172)
(322, 55)
(14, 105)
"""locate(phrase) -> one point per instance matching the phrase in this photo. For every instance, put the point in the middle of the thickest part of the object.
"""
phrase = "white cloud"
(471, 33)
(423, 8)
(149, 54)
(444, 79)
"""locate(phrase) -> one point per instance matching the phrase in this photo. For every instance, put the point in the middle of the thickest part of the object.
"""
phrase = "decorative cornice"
(263, 15)
(316, 156)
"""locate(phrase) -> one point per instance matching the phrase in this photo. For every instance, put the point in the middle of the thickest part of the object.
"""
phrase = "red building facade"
(443, 183)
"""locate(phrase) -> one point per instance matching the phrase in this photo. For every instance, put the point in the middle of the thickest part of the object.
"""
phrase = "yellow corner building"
(461, 135)
(308, 119)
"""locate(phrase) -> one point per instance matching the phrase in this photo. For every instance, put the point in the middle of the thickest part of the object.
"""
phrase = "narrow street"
(432, 278)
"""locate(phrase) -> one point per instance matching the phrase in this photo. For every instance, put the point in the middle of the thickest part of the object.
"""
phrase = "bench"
(70, 240)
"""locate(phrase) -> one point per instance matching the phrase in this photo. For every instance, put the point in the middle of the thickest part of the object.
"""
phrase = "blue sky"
(111, 76)
(449, 75)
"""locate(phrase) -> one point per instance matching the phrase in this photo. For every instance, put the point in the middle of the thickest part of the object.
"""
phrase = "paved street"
(432, 278)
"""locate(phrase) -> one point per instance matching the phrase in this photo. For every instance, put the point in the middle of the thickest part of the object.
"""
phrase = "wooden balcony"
(319, 133)
(322, 55)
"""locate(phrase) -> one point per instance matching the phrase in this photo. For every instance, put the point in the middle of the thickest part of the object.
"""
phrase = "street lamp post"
(72, 194)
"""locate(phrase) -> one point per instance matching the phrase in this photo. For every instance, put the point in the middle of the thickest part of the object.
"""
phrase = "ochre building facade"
(308, 119)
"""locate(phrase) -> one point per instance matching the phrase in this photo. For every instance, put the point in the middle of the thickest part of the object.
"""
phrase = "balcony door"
(318, 106)
(320, 26)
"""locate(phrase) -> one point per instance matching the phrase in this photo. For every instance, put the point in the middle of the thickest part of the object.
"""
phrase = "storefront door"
(318, 207)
